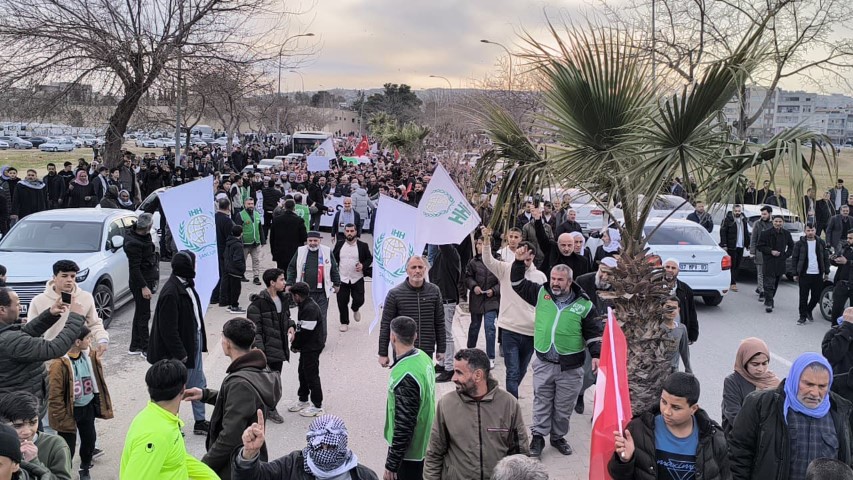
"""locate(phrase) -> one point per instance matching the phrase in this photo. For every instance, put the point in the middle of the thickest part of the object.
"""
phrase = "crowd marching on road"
(537, 292)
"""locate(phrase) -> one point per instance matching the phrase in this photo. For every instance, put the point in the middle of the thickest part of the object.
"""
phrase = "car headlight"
(82, 275)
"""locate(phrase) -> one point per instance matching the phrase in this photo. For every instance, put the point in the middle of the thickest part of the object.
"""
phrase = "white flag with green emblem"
(394, 241)
(444, 214)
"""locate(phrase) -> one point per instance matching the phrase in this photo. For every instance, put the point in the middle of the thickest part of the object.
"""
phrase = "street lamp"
(280, 54)
(509, 58)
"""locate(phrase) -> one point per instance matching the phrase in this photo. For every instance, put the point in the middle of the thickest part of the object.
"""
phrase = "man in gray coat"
(759, 226)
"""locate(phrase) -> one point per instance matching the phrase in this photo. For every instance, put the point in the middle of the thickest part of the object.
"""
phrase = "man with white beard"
(315, 265)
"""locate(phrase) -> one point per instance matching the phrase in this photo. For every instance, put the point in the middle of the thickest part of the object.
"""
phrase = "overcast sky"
(366, 43)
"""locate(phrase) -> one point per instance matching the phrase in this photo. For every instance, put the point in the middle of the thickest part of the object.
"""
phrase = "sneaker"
(809, 317)
(562, 446)
(83, 466)
(491, 363)
(275, 417)
(236, 310)
(97, 453)
(768, 308)
(536, 446)
(298, 406)
(761, 297)
(801, 321)
(731, 287)
(84, 475)
(134, 351)
(439, 368)
(144, 354)
(343, 328)
(256, 281)
(579, 406)
(244, 279)
(356, 316)
(444, 377)
(312, 411)
(201, 427)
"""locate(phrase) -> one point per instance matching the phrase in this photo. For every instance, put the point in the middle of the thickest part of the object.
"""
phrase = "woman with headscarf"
(110, 199)
(611, 243)
(326, 456)
(752, 372)
(124, 200)
(579, 261)
(80, 192)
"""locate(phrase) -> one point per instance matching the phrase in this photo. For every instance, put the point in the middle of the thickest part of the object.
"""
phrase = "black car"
(36, 141)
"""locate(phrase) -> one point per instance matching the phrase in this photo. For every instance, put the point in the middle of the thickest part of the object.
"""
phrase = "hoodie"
(249, 386)
(44, 300)
(30, 197)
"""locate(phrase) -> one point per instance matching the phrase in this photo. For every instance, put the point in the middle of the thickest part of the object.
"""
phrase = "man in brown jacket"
(478, 419)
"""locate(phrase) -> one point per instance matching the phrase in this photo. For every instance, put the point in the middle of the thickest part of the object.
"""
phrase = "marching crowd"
(535, 291)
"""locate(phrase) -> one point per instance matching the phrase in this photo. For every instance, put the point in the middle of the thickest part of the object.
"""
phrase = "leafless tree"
(122, 47)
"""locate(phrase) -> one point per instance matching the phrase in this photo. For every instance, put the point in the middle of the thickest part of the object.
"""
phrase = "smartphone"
(66, 298)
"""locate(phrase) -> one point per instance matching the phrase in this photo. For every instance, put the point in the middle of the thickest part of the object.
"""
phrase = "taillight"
(727, 262)
(596, 212)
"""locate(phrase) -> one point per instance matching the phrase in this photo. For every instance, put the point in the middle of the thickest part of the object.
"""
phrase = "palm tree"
(619, 138)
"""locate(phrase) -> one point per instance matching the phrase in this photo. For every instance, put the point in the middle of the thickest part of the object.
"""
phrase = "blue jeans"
(518, 349)
(196, 378)
(474, 331)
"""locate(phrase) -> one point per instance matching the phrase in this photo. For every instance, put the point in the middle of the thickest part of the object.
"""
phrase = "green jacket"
(54, 455)
(410, 408)
(154, 449)
(305, 214)
(251, 228)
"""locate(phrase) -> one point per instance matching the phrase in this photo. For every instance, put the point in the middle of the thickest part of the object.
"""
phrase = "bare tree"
(123, 47)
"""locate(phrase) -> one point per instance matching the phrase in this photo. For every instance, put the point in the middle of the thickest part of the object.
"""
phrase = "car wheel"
(712, 300)
(826, 303)
(104, 303)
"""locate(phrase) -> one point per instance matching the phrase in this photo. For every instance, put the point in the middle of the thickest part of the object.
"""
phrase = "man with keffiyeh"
(326, 456)
(779, 432)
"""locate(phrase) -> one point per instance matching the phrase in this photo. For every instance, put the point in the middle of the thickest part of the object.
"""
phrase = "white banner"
(444, 214)
(189, 211)
(394, 241)
(319, 159)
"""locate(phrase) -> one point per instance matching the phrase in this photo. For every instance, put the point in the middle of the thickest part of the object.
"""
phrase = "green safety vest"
(305, 213)
(419, 366)
(562, 328)
(251, 229)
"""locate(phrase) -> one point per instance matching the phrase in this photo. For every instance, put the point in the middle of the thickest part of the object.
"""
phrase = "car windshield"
(58, 236)
(678, 235)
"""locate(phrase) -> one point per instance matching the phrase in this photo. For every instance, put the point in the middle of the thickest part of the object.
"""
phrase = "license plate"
(693, 267)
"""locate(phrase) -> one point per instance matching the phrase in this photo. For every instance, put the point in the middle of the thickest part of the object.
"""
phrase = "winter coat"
(287, 234)
(43, 301)
(248, 386)
(834, 193)
(309, 339)
(728, 232)
(61, 394)
(800, 256)
(735, 390)
(516, 315)
(757, 227)
(469, 437)
(837, 228)
(446, 272)
(271, 196)
(759, 445)
(824, 210)
(780, 241)
(54, 187)
(142, 260)
(361, 202)
(271, 326)
(477, 275)
(174, 328)
(425, 306)
(75, 196)
(289, 467)
(224, 224)
(364, 256)
(707, 222)
(30, 197)
(532, 232)
(234, 257)
(712, 460)
(687, 313)
(837, 347)
(587, 284)
(23, 353)
(337, 228)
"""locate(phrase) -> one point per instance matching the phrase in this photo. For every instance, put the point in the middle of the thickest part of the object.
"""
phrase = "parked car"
(58, 144)
(37, 141)
(17, 142)
(91, 237)
(151, 143)
(4, 145)
(87, 140)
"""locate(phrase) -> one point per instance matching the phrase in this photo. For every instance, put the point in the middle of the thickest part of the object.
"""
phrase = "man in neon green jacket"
(154, 448)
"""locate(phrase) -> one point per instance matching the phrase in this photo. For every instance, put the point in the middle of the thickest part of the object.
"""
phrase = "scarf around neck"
(792, 386)
(324, 464)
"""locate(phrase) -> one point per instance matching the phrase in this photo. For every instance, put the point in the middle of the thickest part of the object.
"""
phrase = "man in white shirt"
(354, 262)
(513, 238)
(811, 264)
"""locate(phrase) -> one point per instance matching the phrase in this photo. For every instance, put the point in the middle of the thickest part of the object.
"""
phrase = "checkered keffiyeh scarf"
(328, 431)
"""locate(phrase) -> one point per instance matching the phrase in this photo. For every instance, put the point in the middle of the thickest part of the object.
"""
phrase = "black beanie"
(10, 446)
(183, 264)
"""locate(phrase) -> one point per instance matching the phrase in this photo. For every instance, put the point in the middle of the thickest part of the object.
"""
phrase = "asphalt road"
(354, 385)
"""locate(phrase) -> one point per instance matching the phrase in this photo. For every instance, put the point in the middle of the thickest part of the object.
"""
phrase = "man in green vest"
(252, 236)
(564, 327)
(411, 404)
(303, 211)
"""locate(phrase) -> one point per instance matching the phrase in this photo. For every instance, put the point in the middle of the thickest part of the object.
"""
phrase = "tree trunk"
(114, 136)
(638, 295)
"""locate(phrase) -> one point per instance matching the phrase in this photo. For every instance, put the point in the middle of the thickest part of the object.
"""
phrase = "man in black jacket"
(309, 342)
(839, 194)
(686, 302)
(287, 234)
(811, 267)
(354, 262)
(446, 272)
(765, 192)
(842, 290)
(761, 445)
(569, 225)
(317, 200)
(55, 186)
(177, 331)
(558, 367)
(702, 217)
(224, 225)
(271, 196)
(144, 274)
(824, 210)
(734, 238)
(30, 196)
(837, 347)
(838, 227)
(776, 245)
(343, 217)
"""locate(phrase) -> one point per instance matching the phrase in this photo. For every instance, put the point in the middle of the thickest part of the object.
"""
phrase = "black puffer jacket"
(837, 347)
(759, 445)
(271, 326)
(712, 460)
(311, 329)
(477, 275)
(234, 257)
(425, 306)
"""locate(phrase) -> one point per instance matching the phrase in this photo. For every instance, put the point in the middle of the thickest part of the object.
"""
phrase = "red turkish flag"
(363, 147)
(396, 154)
(612, 410)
